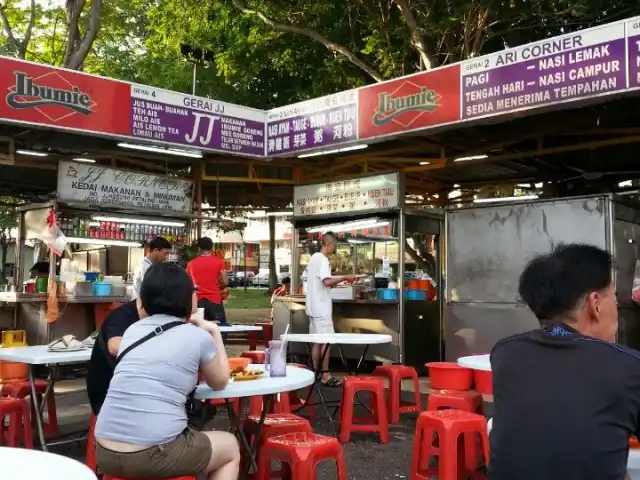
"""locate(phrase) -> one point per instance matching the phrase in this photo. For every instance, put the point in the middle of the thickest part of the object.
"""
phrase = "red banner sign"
(419, 101)
(38, 94)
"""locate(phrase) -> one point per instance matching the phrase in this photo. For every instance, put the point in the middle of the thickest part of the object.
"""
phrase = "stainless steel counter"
(349, 316)
(12, 297)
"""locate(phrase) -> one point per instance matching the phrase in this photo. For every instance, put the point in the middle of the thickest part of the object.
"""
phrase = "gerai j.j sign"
(582, 66)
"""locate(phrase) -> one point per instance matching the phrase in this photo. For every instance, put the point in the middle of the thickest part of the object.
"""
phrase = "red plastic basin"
(483, 382)
(449, 376)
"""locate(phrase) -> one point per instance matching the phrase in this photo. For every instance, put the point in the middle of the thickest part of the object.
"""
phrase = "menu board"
(353, 195)
(322, 122)
(90, 183)
(197, 122)
(633, 46)
(573, 66)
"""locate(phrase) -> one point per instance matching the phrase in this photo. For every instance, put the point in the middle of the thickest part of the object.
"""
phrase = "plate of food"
(241, 374)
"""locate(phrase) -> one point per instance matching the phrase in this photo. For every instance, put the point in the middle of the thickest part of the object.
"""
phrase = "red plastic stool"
(466, 401)
(449, 425)
(23, 389)
(90, 453)
(188, 477)
(296, 402)
(255, 356)
(17, 409)
(302, 452)
(267, 333)
(275, 424)
(280, 404)
(395, 405)
(378, 422)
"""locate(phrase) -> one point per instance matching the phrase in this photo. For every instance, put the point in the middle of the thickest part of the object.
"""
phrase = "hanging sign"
(88, 183)
(353, 195)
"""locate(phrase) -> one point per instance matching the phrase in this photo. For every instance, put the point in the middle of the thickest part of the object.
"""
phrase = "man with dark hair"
(103, 356)
(567, 397)
(159, 250)
(319, 306)
(209, 275)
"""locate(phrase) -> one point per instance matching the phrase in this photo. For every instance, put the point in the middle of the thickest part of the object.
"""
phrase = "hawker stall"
(394, 251)
(88, 242)
(488, 247)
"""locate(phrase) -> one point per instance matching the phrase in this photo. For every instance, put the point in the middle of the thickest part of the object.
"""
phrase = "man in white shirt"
(318, 305)
(159, 250)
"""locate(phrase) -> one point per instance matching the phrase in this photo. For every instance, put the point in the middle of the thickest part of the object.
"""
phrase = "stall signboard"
(165, 116)
(314, 124)
(633, 47)
(36, 94)
(410, 103)
(575, 66)
(347, 196)
(109, 187)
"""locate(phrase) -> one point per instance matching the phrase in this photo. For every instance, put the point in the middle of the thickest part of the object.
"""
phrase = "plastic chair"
(17, 409)
(377, 421)
(90, 452)
(466, 401)
(267, 336)
(255, 356)
(448, 425)
(23, 389)
(395, 405)
(296, 402)
(275, 425)
(301, 452)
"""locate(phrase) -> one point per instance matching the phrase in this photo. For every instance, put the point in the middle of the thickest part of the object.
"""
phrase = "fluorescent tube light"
(505, 199)
(103, 241)
(337, 150)
(279, 214)
(347, 227)
(472, 157)
(425, 163)
(137, 221)
(170, 151)
(32, 153)
(84, 160)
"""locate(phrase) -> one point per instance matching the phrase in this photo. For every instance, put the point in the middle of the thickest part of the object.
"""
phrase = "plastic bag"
(635, 289)
(52, 236)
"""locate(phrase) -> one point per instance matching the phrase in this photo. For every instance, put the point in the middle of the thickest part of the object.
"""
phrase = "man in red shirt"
(209, 275)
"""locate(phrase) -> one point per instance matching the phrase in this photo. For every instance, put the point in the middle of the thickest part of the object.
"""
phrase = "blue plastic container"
(91, 276)
(415, 294)
(387, 294)
(102, 289)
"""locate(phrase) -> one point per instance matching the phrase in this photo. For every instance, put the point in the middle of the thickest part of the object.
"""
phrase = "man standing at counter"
(159, 250)
(319, 306)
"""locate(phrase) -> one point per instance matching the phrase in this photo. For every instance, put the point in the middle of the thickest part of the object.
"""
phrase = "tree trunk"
(273, 275)
(78, 46)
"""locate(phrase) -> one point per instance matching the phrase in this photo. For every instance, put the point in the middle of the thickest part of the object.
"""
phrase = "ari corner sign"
(80, 182)
(347, 196)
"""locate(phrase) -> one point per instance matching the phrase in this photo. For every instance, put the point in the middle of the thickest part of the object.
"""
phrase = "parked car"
(240, 279)
(262, 279)
(231, 278)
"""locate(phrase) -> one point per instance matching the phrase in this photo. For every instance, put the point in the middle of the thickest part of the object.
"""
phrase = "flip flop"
(332, 383)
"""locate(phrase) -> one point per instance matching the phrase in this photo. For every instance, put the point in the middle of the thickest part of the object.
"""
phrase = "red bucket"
(483, 382)
(449, 376)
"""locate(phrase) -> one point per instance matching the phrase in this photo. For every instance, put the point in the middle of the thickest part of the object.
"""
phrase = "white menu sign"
(84, 182)
(344, 196)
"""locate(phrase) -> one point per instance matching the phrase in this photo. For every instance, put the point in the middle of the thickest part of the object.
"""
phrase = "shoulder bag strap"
(157, 331)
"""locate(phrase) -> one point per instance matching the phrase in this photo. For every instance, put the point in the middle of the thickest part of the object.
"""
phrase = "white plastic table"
(633, 464)
(295, 379)
(21, 463)
(476, 362)
(339, 339)
(40, 355)
(239, 328)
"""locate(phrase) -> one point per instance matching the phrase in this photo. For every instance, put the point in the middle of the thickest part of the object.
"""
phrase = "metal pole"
(193, 82)
(401, 239)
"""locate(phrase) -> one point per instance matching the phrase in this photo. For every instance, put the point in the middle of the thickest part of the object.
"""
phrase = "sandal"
(332, 383)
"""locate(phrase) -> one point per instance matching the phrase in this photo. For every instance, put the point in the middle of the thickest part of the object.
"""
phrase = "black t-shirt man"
(102, 363)
(565, 406)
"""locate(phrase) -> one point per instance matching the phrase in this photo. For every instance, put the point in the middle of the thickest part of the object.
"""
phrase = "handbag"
(199, 413)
